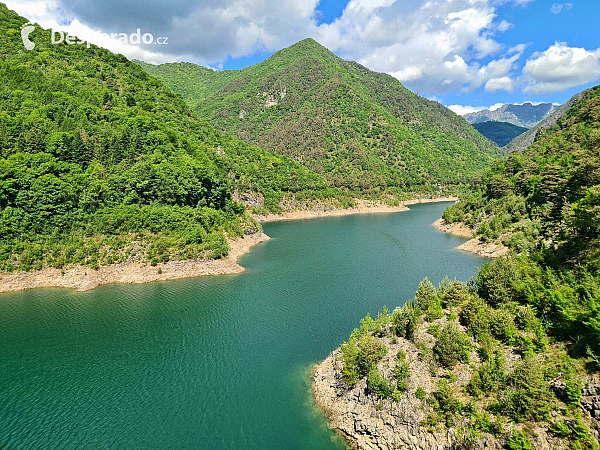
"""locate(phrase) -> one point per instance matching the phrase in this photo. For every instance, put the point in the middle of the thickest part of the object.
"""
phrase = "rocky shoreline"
(84, 278)
(370, 422)
(363, 207)
(473, 245)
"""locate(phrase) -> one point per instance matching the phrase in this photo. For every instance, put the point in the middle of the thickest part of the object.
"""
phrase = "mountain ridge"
(359, 129)
(524, 115)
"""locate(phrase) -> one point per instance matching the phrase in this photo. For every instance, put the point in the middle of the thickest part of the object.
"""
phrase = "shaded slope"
(499, 132)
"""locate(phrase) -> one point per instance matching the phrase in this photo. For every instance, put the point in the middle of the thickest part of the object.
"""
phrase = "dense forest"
(499, 132)
(100, 163)
(526, 329)
(360, 129)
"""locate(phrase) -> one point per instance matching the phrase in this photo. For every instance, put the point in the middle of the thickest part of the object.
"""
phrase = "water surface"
(214, 362)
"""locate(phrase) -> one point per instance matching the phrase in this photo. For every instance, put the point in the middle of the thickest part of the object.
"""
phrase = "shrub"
(420, 393)
(360, 355)
(495, 282)
(377, 383)
(426, 295)
(488, 378)
(573, 390)
(525, 317)
(502, 325)
(370, 352)
(576, 431)
(474, 316)
(487, 347)
(434, 311)
(401, 371)
(518, 440)
(350, 371)
(445, 402)
(405, 320)
(453, 293)
(452, 346)
(526, 395)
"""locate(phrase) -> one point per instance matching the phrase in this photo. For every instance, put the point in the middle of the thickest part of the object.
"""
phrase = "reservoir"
(214, 362)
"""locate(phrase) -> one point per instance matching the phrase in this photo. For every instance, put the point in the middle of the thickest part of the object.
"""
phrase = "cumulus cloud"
(557, 8)
(499, 84)
(463, 110)
(559, 68)
(434, 46)
(466, 109)
(431, 46)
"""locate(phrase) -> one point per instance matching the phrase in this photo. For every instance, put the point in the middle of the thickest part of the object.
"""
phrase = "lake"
(214, 362)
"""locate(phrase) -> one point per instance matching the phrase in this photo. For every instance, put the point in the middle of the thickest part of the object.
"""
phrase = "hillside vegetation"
(360, 129)
(514, 355)
(100, 162)
(499, 132)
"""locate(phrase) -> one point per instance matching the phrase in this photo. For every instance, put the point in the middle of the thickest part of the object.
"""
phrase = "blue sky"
(469, 53)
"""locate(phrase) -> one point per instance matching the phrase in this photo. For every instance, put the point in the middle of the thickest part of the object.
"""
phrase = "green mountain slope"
(358, 128)
(99, 160)
(499, 132)
(523, 337)
(545, 201)
(547, 192)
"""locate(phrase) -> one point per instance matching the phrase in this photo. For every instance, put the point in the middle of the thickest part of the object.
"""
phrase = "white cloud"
(48, 14)
(499, 84)
(559, 68)
(557, 8)
(504, 26)
(496, 106)
(463, 110)
(434, 46)
(431, 46)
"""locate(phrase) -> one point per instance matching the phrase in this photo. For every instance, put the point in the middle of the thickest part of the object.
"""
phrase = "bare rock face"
(590, 402)
(369, 422)
(251, 199)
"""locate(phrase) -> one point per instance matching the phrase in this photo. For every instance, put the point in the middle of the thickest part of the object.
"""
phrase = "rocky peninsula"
(474, 244)
(430, 382)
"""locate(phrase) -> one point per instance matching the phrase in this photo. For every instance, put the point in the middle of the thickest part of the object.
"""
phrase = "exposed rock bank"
(370, 422)
(85, 278)
(363, 207)
(474, 245)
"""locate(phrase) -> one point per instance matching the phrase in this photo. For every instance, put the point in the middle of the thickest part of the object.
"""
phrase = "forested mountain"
(358, 128)
(100, 162)
(511, 359)
(526, 115)
(545, 201)
(499, 132)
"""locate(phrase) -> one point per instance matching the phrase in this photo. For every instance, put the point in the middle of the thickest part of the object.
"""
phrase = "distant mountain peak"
(525, 115)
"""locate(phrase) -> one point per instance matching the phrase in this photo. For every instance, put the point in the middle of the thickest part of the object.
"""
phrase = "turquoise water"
(215, 362)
